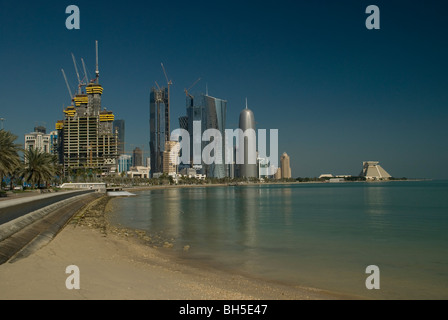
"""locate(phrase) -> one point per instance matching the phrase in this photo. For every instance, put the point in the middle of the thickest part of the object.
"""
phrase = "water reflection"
(375, 199)
(193, 203)
(294, 233)
(246, 213)
(287, 205)
(172, 212)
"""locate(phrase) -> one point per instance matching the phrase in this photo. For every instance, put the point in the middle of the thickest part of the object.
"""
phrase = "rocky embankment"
(95, 216)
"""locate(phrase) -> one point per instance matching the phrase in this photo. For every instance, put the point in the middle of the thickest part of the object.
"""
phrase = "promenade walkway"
(28, 223)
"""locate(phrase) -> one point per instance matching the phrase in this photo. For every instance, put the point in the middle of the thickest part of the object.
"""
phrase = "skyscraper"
(137, 157)
(249, 167)
(119, 127)
(195, 110)
(159, 126)
(183, 122)
(211, 112)
(170, 156)
(286, 169)
(214, 117)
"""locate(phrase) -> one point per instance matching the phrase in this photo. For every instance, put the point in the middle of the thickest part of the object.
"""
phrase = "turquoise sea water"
(315, 235)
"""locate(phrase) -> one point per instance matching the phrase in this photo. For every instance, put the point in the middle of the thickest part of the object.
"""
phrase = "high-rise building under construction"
(88, 137)
(159, 123)
(119, 126)
(159, 126)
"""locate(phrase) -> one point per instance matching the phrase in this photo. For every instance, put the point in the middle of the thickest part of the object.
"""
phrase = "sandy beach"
(115, 265)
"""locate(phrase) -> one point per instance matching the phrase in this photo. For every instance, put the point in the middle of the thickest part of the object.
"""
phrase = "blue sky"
(338, 93)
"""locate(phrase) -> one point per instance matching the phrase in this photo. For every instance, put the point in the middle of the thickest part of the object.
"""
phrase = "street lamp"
(2, 119)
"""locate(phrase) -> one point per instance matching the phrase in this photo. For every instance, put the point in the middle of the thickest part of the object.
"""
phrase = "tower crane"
(167, 107)
(86, 77)
(77, 74)
(191, 87)
(169, 82)
(66, 82)
(97, 71)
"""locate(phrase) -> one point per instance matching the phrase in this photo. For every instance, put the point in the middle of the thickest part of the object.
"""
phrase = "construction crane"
(167, 107)
(86, 77)
(97, 71)
(191, 87)
(77, 74)
(68, 86)
(169, 82)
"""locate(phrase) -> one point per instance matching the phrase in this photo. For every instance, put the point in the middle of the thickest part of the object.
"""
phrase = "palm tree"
(9, 154)
(39, 167)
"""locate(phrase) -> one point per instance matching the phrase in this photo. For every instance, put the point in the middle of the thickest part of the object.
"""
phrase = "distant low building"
(99, 186)
(371, 170)
(138, 172)
(336, 180)
(264, 167)
(157, 175)
(188, 172)
(124, 163)
(39, 140)
(326, 176)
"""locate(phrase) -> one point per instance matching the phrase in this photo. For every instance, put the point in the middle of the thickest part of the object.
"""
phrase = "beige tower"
(170, 155)
(286, 169)
(278, 174)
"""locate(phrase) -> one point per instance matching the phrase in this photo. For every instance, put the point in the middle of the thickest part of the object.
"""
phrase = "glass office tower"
(211, 112)
(215, 118)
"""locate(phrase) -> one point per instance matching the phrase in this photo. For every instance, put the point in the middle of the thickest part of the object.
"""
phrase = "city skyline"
(338, 93)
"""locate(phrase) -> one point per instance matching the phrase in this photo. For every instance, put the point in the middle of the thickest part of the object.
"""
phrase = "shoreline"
(116, 264)
(181, 186)
(32, 193)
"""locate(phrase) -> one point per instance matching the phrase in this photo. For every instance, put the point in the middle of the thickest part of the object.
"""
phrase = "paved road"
(32, 237)
(17, 210)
